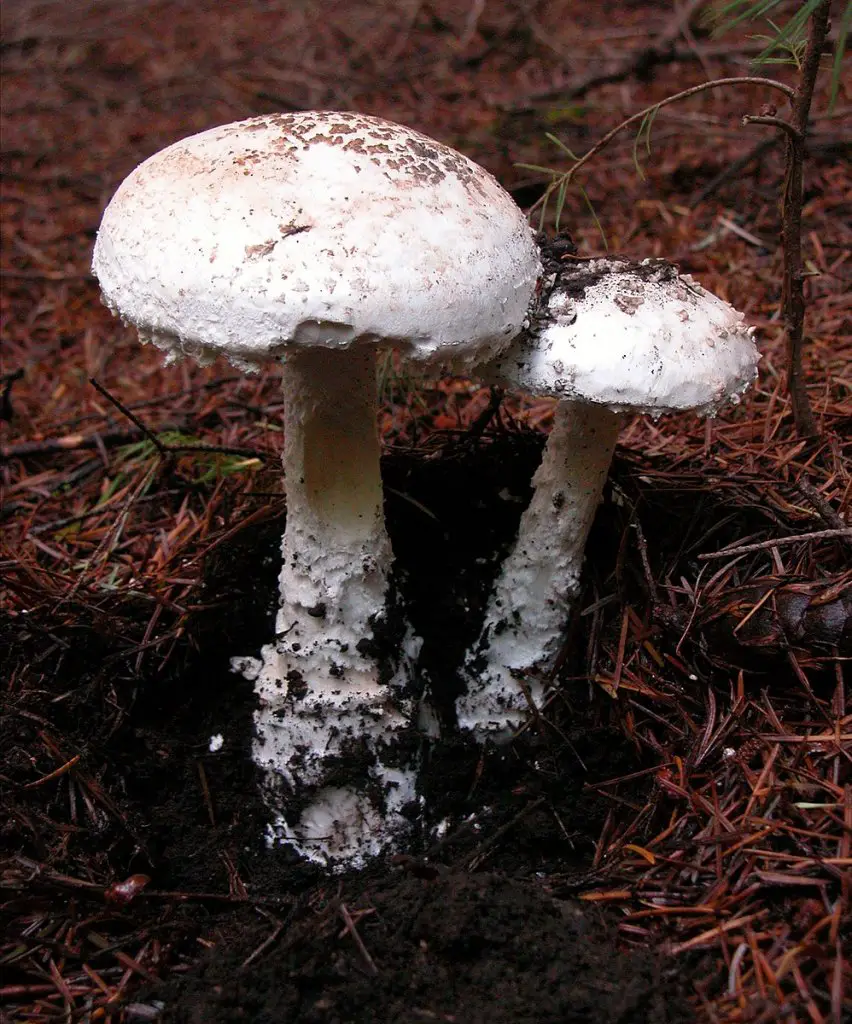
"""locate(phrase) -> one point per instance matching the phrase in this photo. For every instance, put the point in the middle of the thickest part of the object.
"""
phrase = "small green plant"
(561, 188)
(791, 51)
(790, 39)
(213, 464)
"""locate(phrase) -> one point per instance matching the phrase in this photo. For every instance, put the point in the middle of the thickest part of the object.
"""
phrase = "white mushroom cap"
(632, 336)
(316, 228)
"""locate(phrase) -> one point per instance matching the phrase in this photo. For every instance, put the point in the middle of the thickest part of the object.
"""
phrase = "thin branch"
(603, 142)
(81, 442)
(68, 443)
(270, 940)
(793, 296)
(825, 509)
(58, 524)
(765, 545)
(774, 122)
(359, 942)
(134, 419)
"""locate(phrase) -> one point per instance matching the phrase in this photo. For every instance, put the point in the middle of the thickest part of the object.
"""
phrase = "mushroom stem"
(336, 549)
(324, 704)
(507, 669)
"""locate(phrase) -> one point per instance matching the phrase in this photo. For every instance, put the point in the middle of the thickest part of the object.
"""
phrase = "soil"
(460, 947)
(478, 922)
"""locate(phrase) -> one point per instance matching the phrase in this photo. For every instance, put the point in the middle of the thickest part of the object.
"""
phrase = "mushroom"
(315, 239)
(610, 336)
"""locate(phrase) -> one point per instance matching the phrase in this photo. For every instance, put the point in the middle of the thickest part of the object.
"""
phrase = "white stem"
(529, 607)
(336, 549)
(323, 706)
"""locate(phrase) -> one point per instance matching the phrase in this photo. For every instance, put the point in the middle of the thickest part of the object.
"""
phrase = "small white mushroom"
(316, 239)
(611, 335)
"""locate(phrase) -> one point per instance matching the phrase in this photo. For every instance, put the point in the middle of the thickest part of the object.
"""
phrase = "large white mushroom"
(610, 336)
(315, 239)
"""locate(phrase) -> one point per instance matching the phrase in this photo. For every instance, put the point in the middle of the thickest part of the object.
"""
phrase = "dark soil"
(464, 927)
(477, 948)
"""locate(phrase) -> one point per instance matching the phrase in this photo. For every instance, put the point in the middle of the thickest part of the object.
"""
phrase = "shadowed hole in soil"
(469, 934)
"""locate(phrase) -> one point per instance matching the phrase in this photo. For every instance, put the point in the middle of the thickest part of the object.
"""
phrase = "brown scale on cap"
(402, 150)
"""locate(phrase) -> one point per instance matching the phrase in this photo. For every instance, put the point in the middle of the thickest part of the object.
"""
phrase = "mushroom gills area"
(323, 701)
(507, 669)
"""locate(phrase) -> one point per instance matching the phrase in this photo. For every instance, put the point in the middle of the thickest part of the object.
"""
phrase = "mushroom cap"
(631, 335)
(316, 228)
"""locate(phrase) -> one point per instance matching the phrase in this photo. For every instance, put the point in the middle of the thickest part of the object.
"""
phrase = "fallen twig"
(359, 942)
(764, 545)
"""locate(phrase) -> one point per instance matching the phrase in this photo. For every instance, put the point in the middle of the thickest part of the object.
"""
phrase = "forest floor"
(671, 839)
